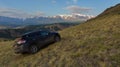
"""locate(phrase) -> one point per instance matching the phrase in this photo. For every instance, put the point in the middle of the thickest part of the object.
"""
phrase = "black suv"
(31, 42)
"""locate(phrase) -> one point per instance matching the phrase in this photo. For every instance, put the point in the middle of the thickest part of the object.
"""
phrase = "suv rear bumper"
(22, 48)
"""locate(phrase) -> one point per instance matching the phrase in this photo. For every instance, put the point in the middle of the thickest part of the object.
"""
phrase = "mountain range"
(44, 20)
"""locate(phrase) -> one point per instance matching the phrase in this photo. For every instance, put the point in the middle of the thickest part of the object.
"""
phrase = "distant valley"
(13, 32)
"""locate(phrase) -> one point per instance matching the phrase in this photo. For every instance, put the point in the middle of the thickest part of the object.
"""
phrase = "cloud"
(38, 14)
(77, 9)
(10, 12)
(54, 1)
(71, 1)
(75, 1)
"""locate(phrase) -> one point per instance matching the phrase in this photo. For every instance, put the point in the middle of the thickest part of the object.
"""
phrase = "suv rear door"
(46, 36)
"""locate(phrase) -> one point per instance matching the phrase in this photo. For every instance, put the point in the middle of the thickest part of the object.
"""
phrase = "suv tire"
(33, 49)
(57, 39)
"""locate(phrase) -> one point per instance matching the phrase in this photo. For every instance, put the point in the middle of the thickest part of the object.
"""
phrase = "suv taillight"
(21, 41)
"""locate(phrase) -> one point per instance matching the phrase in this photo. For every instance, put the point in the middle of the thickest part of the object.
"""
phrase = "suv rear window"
(30, 35)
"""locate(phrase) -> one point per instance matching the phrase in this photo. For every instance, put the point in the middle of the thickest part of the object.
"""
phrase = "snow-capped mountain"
(74, 17)
(44, 20)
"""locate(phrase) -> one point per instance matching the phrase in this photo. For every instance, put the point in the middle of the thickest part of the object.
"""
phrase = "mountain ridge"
(112, 10)
(44, 20)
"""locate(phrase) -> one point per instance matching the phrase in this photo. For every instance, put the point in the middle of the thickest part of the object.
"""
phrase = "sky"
(27, 8)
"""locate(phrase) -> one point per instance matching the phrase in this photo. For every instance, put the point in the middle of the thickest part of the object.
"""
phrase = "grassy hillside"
(95, 43)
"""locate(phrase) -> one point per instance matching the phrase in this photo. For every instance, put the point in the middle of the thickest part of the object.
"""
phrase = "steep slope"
(95, 43)
(112, 10)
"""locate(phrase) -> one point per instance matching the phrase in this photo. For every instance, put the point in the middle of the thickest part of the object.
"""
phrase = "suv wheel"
(33, 49)
(57, 39)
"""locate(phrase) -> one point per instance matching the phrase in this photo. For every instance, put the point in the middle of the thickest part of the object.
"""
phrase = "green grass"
(95, 43)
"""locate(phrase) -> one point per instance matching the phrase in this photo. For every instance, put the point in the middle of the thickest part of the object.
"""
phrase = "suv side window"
(44, 33)
(34, 34)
